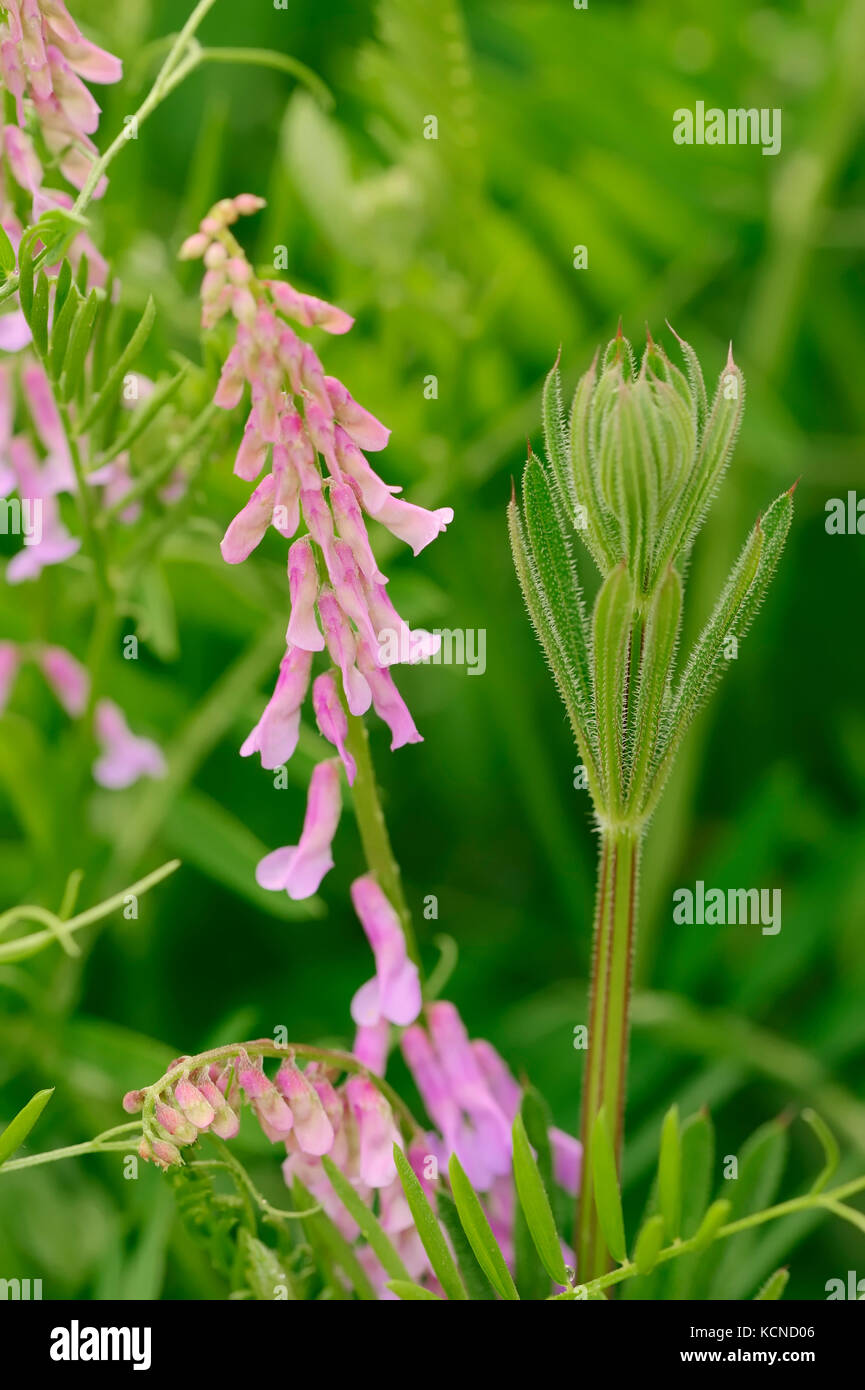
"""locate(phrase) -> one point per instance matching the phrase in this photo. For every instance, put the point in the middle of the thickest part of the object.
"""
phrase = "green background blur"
(555, 129)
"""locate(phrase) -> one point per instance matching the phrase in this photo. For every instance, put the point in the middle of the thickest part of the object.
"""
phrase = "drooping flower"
(332, 720)
(276, 733)
(125, 756)
(69, 680)
(394, 991)
(298, 869)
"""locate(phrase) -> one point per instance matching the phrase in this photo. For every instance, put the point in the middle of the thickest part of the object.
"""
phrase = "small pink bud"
(193, 247)
(248, 203)
(133, 1101)
(192, 1103)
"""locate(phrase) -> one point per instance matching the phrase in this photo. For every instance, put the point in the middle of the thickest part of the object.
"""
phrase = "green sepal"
(550, 640)
(733, 614)
(611, 633)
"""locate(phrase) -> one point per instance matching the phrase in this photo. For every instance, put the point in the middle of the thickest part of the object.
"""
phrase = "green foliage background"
(555, 129)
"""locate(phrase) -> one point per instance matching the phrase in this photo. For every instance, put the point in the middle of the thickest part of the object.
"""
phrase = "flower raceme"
(309, 437)
(327, 1108)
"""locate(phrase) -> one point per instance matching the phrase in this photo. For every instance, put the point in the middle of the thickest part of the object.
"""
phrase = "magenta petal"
(272, 871)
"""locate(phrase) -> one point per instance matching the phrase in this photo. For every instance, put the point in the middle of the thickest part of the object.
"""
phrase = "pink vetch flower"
(247, 529)
(125, 757)
(303, 630)
(299, 869)
(277, 731)
(377, 1131)
(313, 1129)
(394, 992)
(46, 540)
(332, 720)
(10, 660)
(387, 701)
(315, 432)
(69, 680)
(14, 331)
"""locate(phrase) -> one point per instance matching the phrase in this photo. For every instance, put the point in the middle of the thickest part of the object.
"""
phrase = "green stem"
(828, 1201)
(29, 945)
(373, 831)
(609, 1008)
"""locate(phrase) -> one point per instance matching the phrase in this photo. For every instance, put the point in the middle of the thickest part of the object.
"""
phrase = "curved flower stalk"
(632, 472)
(307, 435)
(338, 1113)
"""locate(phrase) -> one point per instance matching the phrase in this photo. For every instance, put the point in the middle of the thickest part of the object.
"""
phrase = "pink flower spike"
(248, 527)
(342, 646)
(68, 679)
(303, 588)
(125, 757)
(361, 426)
(312, 1128)
(276, 733)
(299, 870)
(414, 525)
(394, 991)
(332, 720)
(388, 703)
(9, 663)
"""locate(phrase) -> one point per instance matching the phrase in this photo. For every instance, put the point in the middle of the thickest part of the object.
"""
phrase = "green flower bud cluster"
(632, 472)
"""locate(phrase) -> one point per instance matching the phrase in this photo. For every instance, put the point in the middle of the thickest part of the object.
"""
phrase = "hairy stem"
(609, 1010)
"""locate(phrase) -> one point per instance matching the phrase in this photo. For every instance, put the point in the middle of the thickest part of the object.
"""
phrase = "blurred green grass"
(456, 257)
